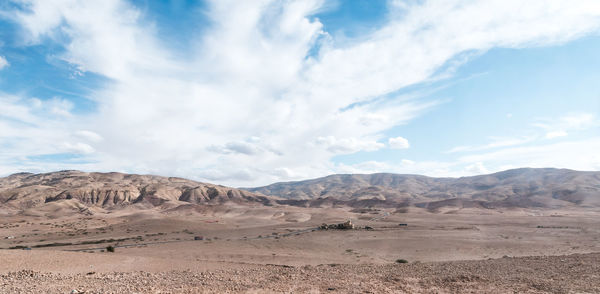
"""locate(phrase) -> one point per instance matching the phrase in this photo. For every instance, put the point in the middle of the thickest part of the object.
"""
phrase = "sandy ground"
(274, 250)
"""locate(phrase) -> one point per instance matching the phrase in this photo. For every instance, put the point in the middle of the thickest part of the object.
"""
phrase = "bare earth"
(557, 274)
(277, 249)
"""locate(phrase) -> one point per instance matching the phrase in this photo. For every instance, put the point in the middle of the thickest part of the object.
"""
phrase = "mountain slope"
(525, 187)
(114, 190)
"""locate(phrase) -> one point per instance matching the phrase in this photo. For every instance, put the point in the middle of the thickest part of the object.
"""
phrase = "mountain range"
(115, 190)
(524, 188)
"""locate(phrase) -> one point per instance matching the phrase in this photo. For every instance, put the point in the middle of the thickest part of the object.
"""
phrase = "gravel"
(577, 273)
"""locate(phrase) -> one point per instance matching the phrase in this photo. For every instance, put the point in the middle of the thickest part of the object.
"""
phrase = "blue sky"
(249, 93)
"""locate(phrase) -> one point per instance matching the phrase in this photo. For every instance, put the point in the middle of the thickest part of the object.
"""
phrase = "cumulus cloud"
(398, 143)
(3, 62)
(249, 74)
(347, 145)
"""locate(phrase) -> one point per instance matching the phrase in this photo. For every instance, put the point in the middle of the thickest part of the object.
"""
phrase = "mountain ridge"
(515, 188)
(114, 190)
(523, 187)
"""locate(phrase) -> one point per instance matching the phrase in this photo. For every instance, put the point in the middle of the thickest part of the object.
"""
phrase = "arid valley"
(169, 239)
(299, 146)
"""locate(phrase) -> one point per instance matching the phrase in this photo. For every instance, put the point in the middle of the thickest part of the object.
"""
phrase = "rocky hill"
(114, 190)
(525, 187)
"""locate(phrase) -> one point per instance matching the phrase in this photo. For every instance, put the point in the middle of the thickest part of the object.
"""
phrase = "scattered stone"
(576, 273)
(348, 225)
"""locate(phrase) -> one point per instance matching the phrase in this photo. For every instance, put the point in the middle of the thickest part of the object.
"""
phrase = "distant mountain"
(52, 193)
(524, 187)
(114, 190)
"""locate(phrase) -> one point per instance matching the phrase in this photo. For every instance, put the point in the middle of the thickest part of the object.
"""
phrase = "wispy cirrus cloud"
(563, 125)
(496, 142)
(551, 128)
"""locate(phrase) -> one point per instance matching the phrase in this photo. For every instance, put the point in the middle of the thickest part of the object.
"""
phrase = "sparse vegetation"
(58, 244)
(552, 227)
(400, 260)
(110, 249)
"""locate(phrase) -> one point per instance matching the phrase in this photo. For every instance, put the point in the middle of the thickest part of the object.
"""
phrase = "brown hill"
(525, 187)
(83, 190)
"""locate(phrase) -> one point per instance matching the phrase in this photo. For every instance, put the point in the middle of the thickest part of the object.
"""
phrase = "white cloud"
(553, 128)
(578, 121)
(568, 122)
(241, 147)
(497, 142)
(580, 155)
(3, 62)
(571, 122)
(366, 167)
(348, 145)
(59, 107)
(476, 168)
(30, 128)
(248, 75)
(429, 168)
(89, 136)
(556, 134)
(79, 148)
(398, 143)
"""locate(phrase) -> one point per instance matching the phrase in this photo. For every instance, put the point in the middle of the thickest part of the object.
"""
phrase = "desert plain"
(60, 246)
(256, 249)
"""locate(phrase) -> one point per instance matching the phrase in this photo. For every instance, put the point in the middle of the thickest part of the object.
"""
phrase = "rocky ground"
(577, 273)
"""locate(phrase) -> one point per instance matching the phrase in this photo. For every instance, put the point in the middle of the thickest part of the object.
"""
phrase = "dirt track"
(578, 273)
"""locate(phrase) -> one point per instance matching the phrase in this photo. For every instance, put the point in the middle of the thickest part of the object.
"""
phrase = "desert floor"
(278, 249)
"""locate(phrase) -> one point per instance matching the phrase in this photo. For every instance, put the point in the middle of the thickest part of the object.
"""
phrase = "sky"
(247, 93)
